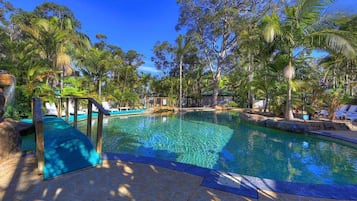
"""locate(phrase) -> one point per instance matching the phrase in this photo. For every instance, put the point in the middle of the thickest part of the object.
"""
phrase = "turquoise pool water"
(221, 141)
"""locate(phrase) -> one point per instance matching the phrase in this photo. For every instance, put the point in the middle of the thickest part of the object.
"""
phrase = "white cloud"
(149, 69)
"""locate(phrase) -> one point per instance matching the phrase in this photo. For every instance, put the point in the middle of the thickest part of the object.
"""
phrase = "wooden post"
(99, 132)
(75, 118)
(89, 119)
(67, 110)
(33, 110)
(40, 144)
(60, 108)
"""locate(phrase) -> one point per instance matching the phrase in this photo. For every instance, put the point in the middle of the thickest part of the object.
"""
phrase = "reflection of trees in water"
(250, 150)
(291, 157)
(230, 119)
(197, 143)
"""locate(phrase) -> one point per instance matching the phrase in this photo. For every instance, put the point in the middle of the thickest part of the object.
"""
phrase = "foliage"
(298, 27)
(232, 104)
(334, 98)
(239, 46)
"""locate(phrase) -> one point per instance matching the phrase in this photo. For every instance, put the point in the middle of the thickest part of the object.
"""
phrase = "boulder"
(10, 139)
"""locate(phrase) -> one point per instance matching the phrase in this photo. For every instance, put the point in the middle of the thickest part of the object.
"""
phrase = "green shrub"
(232, 104)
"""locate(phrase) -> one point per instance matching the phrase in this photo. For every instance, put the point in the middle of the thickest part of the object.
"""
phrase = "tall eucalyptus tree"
(132, 61)
(213, 26)
(252, 49)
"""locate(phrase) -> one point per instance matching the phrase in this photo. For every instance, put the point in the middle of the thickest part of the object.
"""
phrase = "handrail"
(37, 120)
(101, 112)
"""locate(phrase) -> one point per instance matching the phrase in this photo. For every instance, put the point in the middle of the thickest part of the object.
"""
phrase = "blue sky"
(129, 24)
(133, 24)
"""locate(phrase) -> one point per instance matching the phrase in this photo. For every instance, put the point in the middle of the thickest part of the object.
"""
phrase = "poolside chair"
(94, 108)
(107, 106)
(341, 111)
(323, 113)
(51, 109)
(71, 109)
(352, 110)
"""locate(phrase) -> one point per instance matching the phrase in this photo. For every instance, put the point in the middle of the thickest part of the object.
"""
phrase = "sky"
(134, 24)
(129, 24)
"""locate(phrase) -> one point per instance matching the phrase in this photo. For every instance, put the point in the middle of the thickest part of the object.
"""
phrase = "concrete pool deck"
(126, 177)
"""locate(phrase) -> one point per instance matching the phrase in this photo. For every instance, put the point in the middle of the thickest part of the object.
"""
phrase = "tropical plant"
(96, 64)
(298, 28)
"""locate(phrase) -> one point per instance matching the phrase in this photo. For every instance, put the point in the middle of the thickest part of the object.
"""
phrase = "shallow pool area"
(221, 141)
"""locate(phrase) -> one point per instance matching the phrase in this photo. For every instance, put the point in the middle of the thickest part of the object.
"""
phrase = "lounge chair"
(51, 109)
(353, 118)
(71, 109)
(94, 108)
(341, 111)
(323, 113)
(352, 110)
(123, 108)
(107, 106)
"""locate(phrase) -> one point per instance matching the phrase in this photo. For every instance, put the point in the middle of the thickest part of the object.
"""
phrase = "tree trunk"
(250, 80)
(215, 92)
(125, 78)
(180, 96)
(288, 110)
(266, 101)
(289, 74)
(100, 88)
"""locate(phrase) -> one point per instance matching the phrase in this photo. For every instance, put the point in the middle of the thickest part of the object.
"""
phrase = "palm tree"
(173, 56)
(96, 64)
(51, 44)
(182, 48)
(298, 27)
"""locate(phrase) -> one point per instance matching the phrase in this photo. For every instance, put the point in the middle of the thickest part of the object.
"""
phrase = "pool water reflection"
(221, 141)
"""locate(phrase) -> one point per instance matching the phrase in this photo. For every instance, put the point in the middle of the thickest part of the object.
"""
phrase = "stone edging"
(292, 126)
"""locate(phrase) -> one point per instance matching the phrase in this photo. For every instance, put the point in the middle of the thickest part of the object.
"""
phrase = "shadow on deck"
(66, 148)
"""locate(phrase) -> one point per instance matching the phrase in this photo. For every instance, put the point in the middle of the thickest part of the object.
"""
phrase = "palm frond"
(335, 40)
(43, 23)
(271, 27)
(309, 11)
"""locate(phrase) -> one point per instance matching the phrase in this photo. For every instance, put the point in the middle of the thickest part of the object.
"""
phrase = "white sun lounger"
(71, 109)
(51, 109)
(341, 111)
(352, 111)
(107, 107)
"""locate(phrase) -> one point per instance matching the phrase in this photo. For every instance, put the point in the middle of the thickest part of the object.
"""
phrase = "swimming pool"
(221, 141)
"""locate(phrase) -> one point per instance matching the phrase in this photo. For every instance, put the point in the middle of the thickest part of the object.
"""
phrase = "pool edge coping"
(331, 135)
(248, 185)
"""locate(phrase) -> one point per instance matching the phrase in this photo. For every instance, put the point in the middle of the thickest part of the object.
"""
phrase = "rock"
(291, 126)
(5, 79)
(10, 139)
(2, 103)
